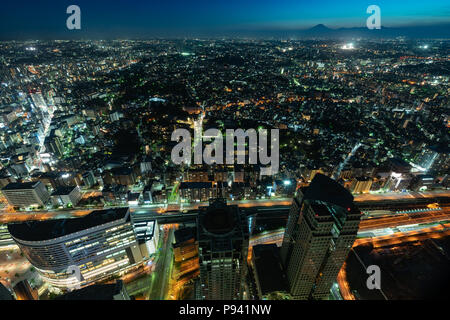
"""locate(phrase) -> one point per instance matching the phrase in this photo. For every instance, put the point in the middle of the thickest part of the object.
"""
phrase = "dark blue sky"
(125, 18)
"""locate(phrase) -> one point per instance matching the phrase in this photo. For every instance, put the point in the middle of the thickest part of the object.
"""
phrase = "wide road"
(163, 268)
(401, 195)
(8, 216)
(405, 219)
(12, 263)
(433, 232)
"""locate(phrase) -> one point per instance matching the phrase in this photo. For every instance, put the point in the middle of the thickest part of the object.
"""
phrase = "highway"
(344, 288)
(161, 274)
(432, 232)
(400, 195)
(8, 216)
(405, 219)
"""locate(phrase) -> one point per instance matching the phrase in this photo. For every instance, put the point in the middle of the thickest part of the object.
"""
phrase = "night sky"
(128, 18)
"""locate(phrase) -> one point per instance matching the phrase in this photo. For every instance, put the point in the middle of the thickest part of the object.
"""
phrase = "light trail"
(346, 160)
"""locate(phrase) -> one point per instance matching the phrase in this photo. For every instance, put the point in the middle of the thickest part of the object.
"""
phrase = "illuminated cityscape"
(95, 204)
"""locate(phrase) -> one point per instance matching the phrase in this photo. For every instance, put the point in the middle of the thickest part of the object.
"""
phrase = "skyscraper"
(223, 248)
(322, 226)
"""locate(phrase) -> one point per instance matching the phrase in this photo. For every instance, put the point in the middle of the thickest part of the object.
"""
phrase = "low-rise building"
(66, 196)
(26, 194)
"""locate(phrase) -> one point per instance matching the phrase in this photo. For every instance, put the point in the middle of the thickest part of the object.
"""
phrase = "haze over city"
(176, 18)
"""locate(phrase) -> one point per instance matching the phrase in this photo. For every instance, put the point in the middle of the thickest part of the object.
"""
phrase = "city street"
(8, 216)
(12, 263)
(161, 275)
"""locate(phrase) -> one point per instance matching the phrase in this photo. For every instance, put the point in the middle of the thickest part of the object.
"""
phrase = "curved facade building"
(100, 244)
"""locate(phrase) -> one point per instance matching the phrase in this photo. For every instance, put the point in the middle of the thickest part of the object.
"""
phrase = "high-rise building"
(99, 245)
(185, 247)
(26, 194)
(38, 99)
(147, 232)
(5, 294)
(53, 144)
(270, 278)
(23, 291)
(322, 226)
(89, 179)
(223, 238)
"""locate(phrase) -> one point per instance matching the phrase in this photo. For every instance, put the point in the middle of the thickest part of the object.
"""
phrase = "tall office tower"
(89, 179)
(53, 144)
(5, 294)
(322, 226)
(24, 291)
(222, 235)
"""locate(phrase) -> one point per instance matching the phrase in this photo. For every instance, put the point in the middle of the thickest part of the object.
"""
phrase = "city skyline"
(149, 19)
(135, 161)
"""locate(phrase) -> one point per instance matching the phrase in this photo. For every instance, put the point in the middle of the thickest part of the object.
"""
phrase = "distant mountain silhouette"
(320, 28)
(321, 31)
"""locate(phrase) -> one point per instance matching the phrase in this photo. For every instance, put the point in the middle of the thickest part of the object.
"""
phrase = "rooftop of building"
(94, 292)
(323, 188)
(5, 294)
(363, 178)
(268, 267)
(399, 162)
(21, 185)
(133, 196)
(62, 191)
(52, 229)
(48, 175)
(219, 221)
(195, 185)
(122, 171)
(320, 209)
(218, 218)
(184, 234)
